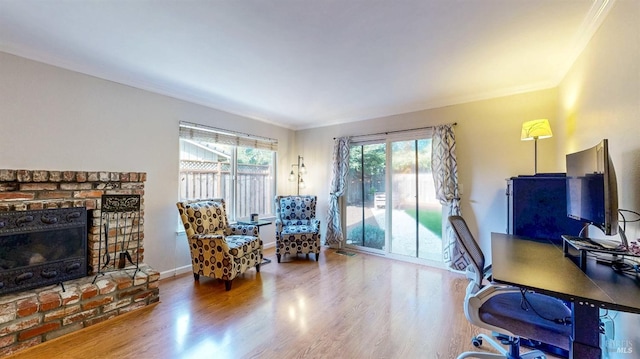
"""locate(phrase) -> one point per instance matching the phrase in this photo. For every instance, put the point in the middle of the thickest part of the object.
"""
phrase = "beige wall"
(62, 120)
(600, 98)
(489, 151)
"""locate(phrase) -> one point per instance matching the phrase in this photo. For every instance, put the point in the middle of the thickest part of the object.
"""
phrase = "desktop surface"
(542, 266)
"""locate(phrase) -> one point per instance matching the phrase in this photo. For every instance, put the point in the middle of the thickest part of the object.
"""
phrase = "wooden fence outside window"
(254, 185)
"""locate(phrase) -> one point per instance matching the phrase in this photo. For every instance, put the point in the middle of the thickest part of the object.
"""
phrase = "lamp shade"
(536, 129)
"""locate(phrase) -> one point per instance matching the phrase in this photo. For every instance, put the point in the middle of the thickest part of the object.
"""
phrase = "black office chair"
(508, 311)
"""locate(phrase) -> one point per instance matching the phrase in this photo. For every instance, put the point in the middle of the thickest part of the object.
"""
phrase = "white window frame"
(196, 132)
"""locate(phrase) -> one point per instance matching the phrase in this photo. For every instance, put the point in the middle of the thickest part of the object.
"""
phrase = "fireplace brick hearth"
(31, 317)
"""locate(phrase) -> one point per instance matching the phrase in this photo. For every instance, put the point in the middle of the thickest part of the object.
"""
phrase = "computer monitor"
(592, 190)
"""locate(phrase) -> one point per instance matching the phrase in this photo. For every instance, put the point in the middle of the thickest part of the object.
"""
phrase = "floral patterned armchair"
(297, 229)
(218, 249)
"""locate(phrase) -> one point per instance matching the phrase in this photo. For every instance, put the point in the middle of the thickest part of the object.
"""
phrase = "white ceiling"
(303, 64)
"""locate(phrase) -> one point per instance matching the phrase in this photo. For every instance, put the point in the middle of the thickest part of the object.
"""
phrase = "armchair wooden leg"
(196, 276)
(278, 256)
(317, 256)
(258, 268)
(307, 255)
(227, 285)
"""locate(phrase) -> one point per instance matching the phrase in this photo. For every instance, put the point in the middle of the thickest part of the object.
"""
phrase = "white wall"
(600, 98)
(54, 119)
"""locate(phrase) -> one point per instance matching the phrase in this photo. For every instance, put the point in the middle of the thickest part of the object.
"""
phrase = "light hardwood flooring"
(363, 306)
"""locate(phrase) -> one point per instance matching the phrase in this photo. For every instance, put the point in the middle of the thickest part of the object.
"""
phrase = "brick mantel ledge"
(32, 317)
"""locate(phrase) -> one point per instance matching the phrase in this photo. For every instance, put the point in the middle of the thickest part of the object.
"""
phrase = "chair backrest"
(203, 216)
(469, 245)
(296, 207)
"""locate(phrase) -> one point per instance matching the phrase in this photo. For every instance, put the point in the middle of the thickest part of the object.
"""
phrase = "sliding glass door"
(391, 206)
(416, 215)
(366, 202)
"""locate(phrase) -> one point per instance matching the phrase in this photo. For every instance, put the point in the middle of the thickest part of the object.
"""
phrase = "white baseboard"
(175, 271)
(187, 269)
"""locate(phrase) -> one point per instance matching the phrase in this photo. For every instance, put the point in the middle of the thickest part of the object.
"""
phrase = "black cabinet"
(538, 207)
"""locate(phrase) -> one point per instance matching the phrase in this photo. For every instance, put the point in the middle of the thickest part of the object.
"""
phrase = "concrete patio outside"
(403, 229)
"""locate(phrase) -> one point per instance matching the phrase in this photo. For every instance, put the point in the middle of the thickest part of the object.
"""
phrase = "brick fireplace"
(33, 316)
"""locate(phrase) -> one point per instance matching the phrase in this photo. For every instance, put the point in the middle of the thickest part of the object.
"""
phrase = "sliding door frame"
(388, 139)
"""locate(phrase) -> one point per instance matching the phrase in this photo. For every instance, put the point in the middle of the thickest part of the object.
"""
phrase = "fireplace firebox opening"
(42, 247)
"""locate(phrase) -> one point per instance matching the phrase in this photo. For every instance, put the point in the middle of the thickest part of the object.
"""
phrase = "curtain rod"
(198, 127)
(388, 132)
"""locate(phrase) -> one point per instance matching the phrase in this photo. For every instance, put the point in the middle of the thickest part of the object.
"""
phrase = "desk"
(541, 266)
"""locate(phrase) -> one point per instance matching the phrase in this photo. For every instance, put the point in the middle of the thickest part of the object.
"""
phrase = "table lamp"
(534, 130)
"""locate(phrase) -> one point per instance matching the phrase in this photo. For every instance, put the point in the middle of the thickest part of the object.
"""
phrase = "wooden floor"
(362, 306)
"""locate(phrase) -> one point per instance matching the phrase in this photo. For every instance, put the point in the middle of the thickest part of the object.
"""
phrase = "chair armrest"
(316, 223)
(488, 272)
(208, 236)
(242, 229)
(278, 225)
(491, 291)
(214, 240)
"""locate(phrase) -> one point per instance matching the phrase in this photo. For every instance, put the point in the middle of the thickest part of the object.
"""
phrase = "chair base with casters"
(506, 310)
(512, 353)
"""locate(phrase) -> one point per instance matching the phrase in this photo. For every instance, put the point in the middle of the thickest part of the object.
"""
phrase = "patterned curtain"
(334, 237)
(445, 178)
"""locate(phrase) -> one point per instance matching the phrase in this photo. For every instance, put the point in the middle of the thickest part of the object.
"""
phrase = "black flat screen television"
(592, 190)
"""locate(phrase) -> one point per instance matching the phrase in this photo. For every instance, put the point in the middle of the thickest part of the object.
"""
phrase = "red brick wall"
(31, 190)
(31, 317)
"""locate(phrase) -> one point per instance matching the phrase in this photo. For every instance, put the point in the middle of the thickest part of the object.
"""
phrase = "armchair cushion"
(301, 228)
(240, 245)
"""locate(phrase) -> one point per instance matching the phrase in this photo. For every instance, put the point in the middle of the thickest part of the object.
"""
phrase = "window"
(237, 167)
